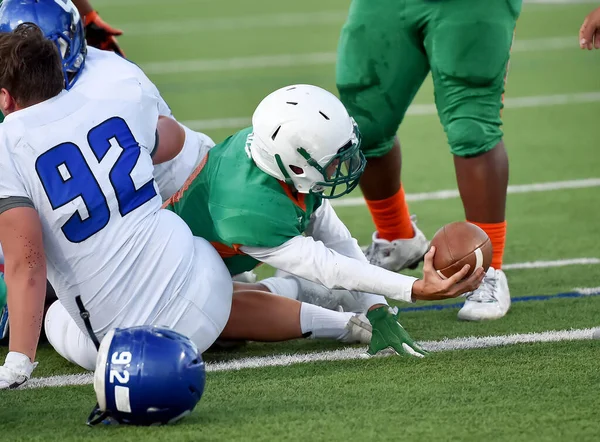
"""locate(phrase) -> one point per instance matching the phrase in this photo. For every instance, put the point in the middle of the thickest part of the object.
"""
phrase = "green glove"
(389, 335)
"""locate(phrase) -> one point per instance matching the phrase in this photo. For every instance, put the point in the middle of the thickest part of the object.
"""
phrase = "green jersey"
(230, 202)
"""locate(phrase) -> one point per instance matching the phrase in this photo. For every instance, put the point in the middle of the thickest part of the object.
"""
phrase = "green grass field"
(213, 61)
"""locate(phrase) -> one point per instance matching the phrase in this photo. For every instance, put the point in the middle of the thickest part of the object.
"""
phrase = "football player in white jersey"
(79, 172)
(94, 72)
(78, 198)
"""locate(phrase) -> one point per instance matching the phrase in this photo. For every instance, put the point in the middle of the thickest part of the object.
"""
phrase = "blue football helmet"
(60, 22)
(146, 375)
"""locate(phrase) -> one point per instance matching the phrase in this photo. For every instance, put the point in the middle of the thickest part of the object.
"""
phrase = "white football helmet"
(303, 135)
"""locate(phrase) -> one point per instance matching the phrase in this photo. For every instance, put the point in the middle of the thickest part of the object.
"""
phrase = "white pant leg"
(171, 175)
(200, 311)
(67, 338)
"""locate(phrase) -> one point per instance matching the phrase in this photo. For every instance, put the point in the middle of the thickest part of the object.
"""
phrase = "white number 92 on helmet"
(303, 135)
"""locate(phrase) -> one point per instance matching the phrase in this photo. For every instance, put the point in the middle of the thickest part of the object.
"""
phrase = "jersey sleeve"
(325, 226)
(303, 256)
(11, 182)
(151, 89)
(146, 117)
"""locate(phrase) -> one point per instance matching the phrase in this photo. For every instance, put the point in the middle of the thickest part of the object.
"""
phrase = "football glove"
(100, 34)
(16, 370)
(389, 335)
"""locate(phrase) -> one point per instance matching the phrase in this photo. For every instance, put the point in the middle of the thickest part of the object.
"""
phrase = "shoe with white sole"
(399, 254)
(358, 331)
(248, 277)
(490, 301)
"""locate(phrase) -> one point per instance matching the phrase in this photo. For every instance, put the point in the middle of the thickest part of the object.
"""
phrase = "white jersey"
(105, 72)
(86, 167)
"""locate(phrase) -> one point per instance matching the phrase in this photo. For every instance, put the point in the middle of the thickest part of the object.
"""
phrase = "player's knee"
(67, 339)
(469, 137)
(56, 325)
(377, 123)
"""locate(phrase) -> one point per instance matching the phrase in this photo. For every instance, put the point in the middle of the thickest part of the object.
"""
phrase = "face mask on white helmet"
(304, 136)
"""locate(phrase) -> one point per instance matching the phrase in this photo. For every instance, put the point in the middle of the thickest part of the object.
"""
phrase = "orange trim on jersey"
(177, 196)
(226, 251)
(298, 198)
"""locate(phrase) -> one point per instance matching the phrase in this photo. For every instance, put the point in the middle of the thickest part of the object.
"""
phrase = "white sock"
(323, 323)
(286, 287)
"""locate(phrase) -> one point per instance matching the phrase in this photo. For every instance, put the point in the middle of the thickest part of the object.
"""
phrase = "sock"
(367, 300)
(391, 217)
(286, 287)
(497, 234)
(322, 323)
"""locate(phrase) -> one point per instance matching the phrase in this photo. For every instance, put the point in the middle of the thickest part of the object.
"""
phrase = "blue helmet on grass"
(146, 375)
(60, 22)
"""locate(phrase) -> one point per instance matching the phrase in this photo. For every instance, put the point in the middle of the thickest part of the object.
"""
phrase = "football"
(461, 243)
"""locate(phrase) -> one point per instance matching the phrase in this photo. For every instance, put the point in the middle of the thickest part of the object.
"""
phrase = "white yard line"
(587, 290)
(422, 109)
(236, 24)
(350, 353)
(452, 193)
(312, 59)
(553, 264)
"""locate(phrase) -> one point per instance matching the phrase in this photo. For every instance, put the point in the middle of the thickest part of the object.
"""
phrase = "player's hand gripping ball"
(458, 244)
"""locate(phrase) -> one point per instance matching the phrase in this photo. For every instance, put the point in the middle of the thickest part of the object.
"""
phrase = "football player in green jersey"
(262, 195)
(386, 50)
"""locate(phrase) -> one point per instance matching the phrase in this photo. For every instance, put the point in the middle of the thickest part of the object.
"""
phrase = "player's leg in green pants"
(381, 65)
(467, 45)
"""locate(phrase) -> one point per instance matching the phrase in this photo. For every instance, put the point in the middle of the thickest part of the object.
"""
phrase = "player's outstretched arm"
(313, 260)
(25, 275)
(589, 33)
(98, 33)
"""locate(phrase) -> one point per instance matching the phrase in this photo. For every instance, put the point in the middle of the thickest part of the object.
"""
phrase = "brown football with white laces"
(461, 243)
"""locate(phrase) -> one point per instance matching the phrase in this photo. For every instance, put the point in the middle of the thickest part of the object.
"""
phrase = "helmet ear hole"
(297, 170)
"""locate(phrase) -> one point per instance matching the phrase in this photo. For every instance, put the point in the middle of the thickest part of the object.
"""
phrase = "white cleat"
(358, 331)
(398, 254)
(490, 301)
(248, 277)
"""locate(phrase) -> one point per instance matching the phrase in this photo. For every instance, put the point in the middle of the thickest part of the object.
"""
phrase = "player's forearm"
(312, 260)
(26, 284)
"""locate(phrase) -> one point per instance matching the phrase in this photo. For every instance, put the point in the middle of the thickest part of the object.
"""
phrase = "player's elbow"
(30, 268)
(171, 138)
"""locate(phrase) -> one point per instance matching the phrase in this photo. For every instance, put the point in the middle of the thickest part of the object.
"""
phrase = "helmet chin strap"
(288, 179)
(96, 416)
(85, 315)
